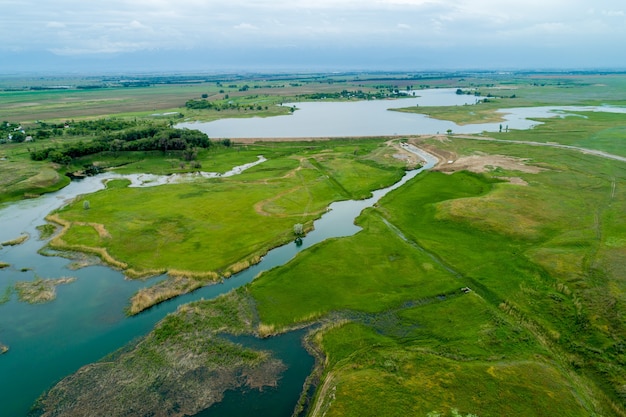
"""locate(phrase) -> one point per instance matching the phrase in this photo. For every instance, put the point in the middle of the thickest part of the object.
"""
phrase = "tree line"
(141, 138)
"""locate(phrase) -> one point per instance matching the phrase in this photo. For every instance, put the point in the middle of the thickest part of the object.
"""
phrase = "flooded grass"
(40, 290)
(16, 241)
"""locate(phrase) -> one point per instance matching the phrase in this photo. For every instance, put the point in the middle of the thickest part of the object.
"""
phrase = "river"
(86, 322)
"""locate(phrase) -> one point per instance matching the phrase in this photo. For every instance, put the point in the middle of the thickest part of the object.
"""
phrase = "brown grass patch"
(17, 241)
(481, 163)
(513, 180)
(40, 290)
(202, 276)
(133, 273)
(266, 330)
(245, 264)
(491, 212)
(165, 290)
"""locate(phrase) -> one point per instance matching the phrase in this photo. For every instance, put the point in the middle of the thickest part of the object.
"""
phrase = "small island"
(40, 290)
(3, 349)
(17, 241)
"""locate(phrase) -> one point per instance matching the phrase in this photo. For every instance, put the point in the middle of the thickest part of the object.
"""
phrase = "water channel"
(86, 322)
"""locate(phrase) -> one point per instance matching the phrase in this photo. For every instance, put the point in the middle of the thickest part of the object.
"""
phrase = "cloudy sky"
(154, 35)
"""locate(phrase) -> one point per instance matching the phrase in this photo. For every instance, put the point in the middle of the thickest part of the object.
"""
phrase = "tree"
(449, 131)
(42, 134)
(190, 154)
(163, 139)
(18, 137)
(298, 229)
(116, 146)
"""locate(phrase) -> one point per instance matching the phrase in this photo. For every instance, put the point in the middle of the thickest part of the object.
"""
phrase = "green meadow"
(208, 229)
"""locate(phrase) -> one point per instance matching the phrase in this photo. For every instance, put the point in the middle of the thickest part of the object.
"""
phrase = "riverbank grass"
(17, 241)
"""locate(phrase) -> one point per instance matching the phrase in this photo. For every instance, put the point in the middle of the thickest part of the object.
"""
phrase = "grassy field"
(213, 228)
(538, 332)
(22, 178)
(499, 292)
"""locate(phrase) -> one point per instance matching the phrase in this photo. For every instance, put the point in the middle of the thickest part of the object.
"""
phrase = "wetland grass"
(17, 241)
(540, 333)
(40, 290)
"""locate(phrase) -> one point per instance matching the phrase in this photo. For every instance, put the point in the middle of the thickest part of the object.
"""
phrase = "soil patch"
(485, 163)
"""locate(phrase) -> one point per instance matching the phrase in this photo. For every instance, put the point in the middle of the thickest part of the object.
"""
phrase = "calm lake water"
(86, 321)
(373, 118)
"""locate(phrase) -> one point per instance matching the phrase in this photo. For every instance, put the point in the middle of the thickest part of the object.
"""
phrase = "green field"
(492, 290)
(171, 228)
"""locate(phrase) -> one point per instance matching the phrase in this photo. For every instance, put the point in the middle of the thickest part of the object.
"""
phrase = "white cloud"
(135, 24)
(77, 26)
(245, 26)
(57, 25)
(613, 13)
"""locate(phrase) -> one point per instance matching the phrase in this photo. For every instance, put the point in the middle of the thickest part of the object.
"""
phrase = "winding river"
(86, 322)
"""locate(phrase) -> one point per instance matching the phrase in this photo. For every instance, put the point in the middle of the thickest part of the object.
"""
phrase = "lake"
(373, 118)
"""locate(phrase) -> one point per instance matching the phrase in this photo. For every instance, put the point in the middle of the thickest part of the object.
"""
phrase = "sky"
(257, 35)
